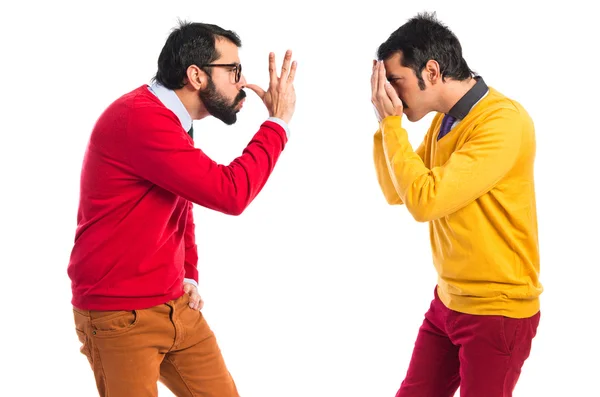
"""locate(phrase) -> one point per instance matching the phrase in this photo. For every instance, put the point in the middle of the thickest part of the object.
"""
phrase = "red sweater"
(134, 242)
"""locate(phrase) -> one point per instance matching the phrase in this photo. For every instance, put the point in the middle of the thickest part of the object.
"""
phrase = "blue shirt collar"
(172, 102)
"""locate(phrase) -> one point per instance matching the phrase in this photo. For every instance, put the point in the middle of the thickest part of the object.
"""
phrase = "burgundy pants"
(481, 354)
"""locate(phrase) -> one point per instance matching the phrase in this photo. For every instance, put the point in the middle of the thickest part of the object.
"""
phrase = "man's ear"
(431, 72)
(196, 77)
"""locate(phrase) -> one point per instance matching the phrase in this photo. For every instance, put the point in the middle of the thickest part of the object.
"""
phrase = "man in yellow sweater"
(472, 179)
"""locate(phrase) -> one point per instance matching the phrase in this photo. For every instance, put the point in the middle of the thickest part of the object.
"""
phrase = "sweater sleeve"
(382, 171)
(161, 152)
(488, 154)
(191, 249)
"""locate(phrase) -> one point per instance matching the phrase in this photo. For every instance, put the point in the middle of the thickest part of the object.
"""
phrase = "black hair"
(423, 38)
(191, 43)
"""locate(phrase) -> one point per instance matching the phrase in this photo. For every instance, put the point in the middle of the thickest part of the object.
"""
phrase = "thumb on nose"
(259, 91)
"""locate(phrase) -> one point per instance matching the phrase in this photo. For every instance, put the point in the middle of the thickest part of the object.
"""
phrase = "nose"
(242, 83)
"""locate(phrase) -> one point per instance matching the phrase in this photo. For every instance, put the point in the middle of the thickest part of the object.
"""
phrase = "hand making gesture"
(280, 97)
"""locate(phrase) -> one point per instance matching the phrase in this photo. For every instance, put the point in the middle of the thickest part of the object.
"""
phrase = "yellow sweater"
(475, 188)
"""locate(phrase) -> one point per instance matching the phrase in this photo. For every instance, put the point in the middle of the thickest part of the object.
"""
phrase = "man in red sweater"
(133, 264)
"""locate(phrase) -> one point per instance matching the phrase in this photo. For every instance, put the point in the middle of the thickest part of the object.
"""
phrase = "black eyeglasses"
(235, 67)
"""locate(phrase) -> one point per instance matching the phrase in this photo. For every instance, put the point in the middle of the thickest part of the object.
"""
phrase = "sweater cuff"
(283, 125)
(390, 121)
(190, 281)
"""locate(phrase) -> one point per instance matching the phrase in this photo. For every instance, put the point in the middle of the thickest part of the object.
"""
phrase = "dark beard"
(217, 105)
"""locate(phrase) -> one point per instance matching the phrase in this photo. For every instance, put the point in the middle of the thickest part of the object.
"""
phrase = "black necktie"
(191, 131)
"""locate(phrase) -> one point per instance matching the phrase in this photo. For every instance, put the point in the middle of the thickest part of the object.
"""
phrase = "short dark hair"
(191, 43)
(422, 38)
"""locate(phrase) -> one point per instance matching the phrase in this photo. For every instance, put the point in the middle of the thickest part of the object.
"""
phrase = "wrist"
(392, 118)
(190, 281)
(286, 119)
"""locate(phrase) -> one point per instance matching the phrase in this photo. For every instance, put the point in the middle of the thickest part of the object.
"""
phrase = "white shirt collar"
(172, 102)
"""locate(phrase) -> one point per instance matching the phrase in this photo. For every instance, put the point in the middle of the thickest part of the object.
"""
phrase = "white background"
(319, 288)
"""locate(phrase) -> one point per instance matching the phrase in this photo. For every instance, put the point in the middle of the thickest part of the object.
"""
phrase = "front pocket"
(510, 330)
(107, 324)
(85, 347)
